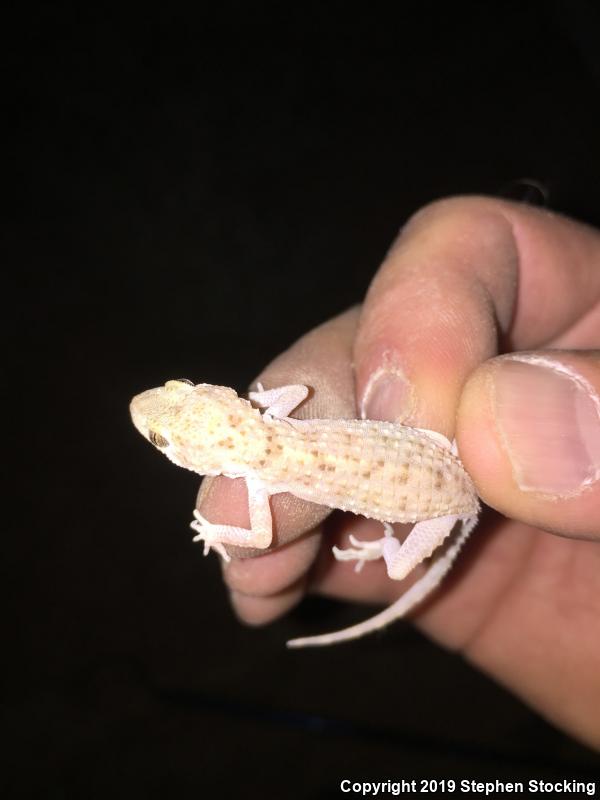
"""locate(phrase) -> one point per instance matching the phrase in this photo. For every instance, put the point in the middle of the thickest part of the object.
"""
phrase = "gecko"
(382, 470)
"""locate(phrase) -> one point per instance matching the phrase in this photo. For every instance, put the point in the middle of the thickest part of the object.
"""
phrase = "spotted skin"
(381, 470)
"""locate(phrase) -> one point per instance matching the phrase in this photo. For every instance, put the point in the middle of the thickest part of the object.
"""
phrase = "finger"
(258, 610)
(265, 587)
(463, 273)
(321, 360)
(528, 429)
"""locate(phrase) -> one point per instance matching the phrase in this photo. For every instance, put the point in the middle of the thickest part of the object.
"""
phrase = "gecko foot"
(363, 551)
(205, 533)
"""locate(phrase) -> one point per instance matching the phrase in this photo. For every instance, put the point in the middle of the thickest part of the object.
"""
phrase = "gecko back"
(384, 471)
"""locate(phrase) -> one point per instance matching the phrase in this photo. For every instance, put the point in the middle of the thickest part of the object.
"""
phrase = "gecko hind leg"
(424, 538)
(402, 557)
(363, 551)
(405, 603)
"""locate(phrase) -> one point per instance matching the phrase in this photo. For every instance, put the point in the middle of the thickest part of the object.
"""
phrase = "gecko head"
(181, 416)
(155, 412)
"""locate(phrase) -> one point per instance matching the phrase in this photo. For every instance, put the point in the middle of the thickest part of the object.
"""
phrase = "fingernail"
(549, 419)
(388, 396)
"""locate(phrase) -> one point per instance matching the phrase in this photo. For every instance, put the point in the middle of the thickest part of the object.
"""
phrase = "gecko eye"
(157, 440)
(185, 380)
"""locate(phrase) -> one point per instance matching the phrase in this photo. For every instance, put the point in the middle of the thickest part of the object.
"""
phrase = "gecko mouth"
(137, 415)
(143, 408)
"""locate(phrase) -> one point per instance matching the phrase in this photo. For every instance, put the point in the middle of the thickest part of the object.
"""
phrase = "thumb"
(528, 432)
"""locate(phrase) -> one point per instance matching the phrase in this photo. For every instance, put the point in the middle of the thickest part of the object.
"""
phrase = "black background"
(189, 194)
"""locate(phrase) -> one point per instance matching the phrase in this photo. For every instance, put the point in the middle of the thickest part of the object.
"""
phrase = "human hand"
(468, 278)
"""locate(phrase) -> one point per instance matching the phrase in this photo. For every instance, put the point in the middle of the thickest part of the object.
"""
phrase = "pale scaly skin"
(381, 470)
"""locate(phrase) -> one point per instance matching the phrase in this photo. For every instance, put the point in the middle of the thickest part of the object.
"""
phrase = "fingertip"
(257, 611)
(275, 571)
(528, 431)
(432, 311)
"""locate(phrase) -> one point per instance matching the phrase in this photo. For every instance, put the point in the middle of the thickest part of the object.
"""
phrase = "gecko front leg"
(279, 403)
(259, 534)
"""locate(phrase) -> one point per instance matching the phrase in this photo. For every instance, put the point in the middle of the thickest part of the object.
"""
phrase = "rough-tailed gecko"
(382, 470)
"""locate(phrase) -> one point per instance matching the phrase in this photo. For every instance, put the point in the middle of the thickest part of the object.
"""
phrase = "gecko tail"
(404, 604)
